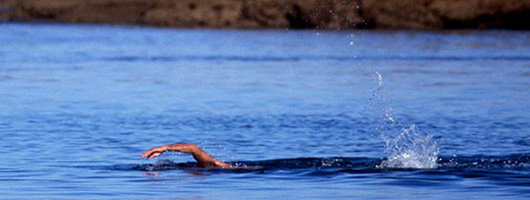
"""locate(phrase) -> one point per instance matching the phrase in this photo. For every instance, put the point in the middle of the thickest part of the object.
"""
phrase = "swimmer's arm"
(200, 155)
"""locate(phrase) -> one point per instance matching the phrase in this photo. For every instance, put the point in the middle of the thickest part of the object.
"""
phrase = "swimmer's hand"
(200, 155)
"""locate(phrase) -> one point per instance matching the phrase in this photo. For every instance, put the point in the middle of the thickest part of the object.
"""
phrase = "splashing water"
(409, 149)
(405, 146)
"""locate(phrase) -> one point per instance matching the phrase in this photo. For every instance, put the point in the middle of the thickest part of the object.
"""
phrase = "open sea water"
(324, 114)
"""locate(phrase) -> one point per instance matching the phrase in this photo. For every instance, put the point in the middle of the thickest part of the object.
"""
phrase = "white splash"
(409, 149)
(405, 146)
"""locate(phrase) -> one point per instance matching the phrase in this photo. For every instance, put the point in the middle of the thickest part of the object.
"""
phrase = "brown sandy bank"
(283, 14)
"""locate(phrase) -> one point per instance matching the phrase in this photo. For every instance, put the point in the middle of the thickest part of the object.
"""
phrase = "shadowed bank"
(278, 14)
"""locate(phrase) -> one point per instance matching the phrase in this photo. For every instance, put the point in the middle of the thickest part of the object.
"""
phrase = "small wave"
(347, 164)
(277, 164)
(515, 161)
(311, 58)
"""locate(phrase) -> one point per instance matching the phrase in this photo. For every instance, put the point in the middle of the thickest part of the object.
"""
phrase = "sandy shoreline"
(278, 14)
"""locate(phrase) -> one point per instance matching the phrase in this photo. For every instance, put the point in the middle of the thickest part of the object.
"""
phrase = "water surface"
(80, 103)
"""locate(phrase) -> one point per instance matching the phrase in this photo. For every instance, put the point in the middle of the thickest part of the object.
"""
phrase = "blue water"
(80, 103)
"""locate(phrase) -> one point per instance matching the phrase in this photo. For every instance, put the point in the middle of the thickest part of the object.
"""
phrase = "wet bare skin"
(200, 155)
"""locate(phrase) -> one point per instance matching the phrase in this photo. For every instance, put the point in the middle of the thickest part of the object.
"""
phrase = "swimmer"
(200, 155)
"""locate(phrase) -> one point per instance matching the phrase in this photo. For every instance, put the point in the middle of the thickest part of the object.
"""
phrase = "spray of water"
(404, 145)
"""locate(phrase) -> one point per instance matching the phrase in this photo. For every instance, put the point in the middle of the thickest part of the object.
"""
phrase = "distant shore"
(278, 14)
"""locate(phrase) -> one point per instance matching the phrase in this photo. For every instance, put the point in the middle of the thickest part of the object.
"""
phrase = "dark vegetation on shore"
(281, 14)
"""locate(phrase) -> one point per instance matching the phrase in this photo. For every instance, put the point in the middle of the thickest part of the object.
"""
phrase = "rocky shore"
(280, 14)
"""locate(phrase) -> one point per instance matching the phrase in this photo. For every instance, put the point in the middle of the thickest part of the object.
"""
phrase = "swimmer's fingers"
(148, 152)
(153, 152)
(154, 155)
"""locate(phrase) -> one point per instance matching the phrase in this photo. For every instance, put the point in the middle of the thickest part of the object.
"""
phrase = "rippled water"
(80, 103)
